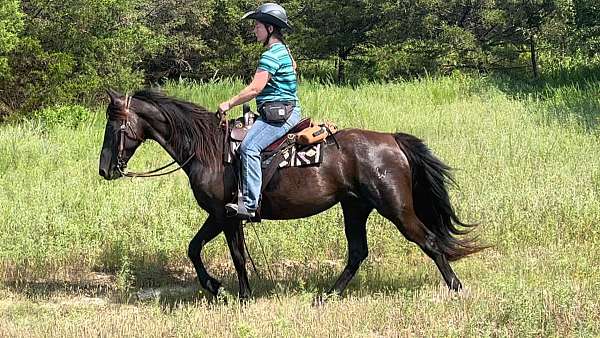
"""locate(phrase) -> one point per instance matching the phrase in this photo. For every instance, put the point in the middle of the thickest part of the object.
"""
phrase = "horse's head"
(123, 134)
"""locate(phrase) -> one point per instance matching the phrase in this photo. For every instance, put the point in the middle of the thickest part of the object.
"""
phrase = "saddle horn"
(247, 113)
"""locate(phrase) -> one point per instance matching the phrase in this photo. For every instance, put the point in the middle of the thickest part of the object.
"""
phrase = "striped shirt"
(282, 86)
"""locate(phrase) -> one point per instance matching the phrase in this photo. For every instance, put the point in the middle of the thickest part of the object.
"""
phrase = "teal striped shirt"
(283, 85)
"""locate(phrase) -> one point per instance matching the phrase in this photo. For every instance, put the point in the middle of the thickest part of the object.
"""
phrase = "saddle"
(300, 146)
(304, 133)
(242, 125)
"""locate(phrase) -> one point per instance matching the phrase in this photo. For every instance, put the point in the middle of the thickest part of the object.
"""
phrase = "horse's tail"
(431, 201)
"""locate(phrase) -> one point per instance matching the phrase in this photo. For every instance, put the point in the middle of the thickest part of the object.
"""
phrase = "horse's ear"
(113, 95)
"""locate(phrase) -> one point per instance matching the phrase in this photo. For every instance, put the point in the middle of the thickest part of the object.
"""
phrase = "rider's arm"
(261, 77)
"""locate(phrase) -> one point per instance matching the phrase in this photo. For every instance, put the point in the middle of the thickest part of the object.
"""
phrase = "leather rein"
(122, 165)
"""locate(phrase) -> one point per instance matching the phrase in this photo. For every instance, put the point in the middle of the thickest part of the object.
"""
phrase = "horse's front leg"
(209, 230)
(234, 233)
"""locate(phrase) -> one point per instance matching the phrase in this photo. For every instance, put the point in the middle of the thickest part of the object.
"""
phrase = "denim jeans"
(261, 135)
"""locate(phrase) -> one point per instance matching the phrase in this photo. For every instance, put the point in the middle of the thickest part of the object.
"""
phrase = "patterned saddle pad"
(298, 156)
(293, 154)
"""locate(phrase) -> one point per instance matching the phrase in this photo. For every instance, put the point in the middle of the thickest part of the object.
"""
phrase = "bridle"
(122, 165)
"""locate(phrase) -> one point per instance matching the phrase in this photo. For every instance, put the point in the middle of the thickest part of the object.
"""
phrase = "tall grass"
(526, 160)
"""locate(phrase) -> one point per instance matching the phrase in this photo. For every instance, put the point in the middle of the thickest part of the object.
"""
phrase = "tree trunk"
(341, 76)
(534, 57)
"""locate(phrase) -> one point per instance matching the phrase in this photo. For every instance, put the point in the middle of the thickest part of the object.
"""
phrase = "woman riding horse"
(275, 88)
(394, 174)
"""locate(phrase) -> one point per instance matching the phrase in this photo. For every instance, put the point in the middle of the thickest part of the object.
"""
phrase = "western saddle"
(242, 125)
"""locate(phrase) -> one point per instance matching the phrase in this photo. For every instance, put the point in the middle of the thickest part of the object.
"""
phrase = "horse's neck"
(206, 179)
(159, 133)
(162, 134)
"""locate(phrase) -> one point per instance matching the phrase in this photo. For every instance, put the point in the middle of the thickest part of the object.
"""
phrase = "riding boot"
(239, 210)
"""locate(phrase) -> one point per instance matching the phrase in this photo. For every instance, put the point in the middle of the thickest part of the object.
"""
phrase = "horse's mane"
(193, 128)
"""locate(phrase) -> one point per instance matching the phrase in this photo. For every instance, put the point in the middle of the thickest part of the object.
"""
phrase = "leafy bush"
(70, 116)
(11, 23)
(71, 51)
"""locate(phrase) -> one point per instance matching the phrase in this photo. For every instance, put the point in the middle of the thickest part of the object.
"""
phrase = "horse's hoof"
(244, 300)
(455, 285)
(213, 286)
(320, 299)
(244, 297)
(222, 296)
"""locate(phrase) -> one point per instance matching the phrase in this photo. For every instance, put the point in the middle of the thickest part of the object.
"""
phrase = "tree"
(490, 33)
(72, 50)
(336, 28)
(587, 26)
(526, 18)
(11, 24)
(180, 23)
(232, 48)
(204, 39)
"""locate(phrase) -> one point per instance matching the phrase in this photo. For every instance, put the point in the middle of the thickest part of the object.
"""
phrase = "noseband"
(121, 163)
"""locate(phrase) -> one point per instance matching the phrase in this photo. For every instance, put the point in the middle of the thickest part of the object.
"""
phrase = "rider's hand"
(224, 107)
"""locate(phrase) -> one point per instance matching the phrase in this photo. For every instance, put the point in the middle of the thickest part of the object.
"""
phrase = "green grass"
(75, 248)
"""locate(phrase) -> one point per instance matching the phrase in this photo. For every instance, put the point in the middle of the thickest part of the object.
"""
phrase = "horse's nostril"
(103, 173)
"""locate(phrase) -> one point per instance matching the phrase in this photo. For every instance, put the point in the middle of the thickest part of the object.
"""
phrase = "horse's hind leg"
(356, 213)
(209, 230)
(399, 210)
(234, 233)
(429, 243)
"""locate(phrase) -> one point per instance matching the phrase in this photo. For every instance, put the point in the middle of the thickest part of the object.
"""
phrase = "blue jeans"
(261, 135)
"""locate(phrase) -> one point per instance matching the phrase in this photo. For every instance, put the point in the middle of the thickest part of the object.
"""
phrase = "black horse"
(395, 174)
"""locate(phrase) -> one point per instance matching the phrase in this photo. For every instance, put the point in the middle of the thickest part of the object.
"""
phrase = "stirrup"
(239, 211)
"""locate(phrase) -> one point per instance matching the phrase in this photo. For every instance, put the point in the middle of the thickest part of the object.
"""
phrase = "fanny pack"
(276, 111)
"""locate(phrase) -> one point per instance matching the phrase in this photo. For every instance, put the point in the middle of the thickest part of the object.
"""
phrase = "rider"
(275, 88)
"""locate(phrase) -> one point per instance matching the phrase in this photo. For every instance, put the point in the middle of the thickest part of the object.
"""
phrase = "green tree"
(72, 50)
(487, 34)
(587, 26)
(11, 24)
(232, 51)
(339, 29)
(180, 23)
(525, 19)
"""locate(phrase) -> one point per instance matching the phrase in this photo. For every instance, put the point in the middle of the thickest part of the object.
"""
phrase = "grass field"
(80, 256)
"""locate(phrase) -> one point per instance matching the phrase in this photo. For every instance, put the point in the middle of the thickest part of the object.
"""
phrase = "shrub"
(69, 116)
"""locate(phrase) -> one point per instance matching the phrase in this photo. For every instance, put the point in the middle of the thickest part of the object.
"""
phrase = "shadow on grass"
(285, 279)
(562, 95)
(101, 286)
(174, 286)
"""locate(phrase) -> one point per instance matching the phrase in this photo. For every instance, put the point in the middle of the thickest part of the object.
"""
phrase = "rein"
(122, 166)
